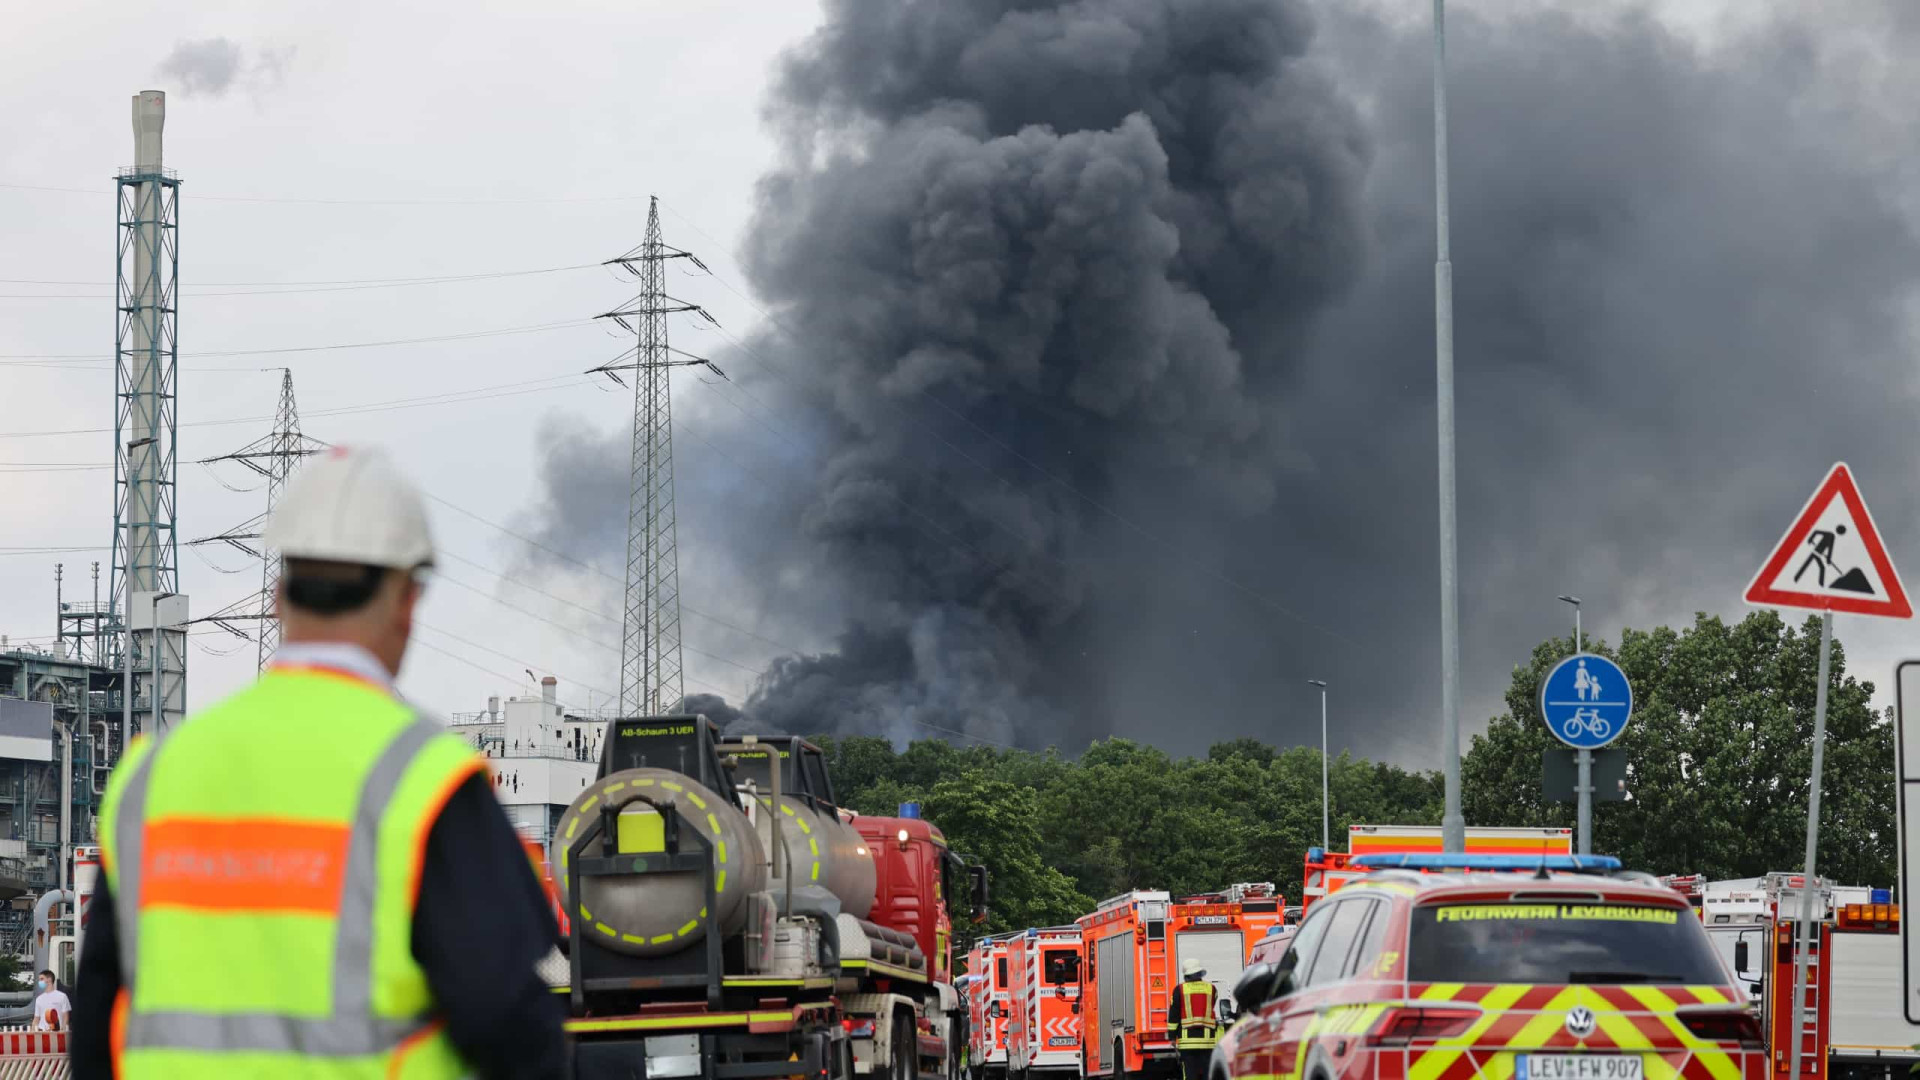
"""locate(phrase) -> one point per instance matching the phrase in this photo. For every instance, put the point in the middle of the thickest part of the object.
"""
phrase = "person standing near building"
(310, 878)
(50, 1007)
(1191, 1016)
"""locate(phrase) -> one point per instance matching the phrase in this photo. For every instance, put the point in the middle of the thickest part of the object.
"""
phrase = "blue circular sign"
(1586, 701)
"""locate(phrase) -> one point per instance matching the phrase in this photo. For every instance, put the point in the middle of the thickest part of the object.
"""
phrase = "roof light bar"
(1585, 864)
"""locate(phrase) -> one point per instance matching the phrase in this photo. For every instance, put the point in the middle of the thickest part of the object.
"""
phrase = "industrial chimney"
(550, 690)
(149, 119)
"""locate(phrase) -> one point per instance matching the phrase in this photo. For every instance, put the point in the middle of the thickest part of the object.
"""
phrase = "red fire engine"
(1854, 1026)
(1133, 947)
(987, 1009)
(1043, 1002)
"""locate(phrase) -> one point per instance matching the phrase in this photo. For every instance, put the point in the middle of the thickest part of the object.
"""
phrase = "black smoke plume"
(1103, 338)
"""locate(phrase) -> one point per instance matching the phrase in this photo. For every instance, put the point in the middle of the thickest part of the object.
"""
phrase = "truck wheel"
(906, 1048)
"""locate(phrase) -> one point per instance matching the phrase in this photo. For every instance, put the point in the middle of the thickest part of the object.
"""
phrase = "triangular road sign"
(1832, 558)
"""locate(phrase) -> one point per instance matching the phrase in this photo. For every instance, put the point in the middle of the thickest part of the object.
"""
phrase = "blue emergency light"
(1881, 896)
(910, 810)
(1589, 864)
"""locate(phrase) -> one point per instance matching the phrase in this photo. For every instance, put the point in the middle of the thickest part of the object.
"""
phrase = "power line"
(199, 197)
(451, 397)
(470, 335)
(288, 288)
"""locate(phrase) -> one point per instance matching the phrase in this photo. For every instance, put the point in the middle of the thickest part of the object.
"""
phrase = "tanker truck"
(724, 917)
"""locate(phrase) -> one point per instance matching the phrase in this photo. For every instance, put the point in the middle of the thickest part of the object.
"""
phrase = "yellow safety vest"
(264, 859)
(1199, 1030)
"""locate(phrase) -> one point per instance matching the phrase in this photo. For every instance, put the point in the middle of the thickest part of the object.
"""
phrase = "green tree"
(1718, 755)
(996, 822)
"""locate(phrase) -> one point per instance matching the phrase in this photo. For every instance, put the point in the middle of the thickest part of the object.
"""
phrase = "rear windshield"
(1560, 943)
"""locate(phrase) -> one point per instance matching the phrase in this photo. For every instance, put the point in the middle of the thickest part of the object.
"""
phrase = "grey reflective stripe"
(352, 1029)
(334, 1036)
(353, 940)
(128, 832)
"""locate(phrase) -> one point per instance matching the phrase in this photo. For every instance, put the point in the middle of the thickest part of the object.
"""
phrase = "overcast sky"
(354, 143)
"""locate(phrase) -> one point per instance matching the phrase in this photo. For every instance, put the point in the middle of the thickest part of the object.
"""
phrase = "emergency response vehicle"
(1450, 967)
(1328, 870)
(1854, 1027)
(1134, 945)
(1043, 1002)
(987, 1008)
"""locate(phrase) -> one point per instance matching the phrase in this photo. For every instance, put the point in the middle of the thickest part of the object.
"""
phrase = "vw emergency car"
(1454, 967)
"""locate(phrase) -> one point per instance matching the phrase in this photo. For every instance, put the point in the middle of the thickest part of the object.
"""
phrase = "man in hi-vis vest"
(1192, 1016)
(311, 878)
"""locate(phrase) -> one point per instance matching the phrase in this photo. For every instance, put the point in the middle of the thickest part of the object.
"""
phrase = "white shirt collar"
(338, 655)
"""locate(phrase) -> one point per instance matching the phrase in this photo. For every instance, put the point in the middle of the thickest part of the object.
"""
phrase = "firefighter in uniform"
(1193, 1016)
(310, 879)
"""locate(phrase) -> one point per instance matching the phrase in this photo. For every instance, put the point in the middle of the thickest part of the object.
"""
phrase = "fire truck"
(987, 1008)
(1043, 1002)
(1854, 1026)
(1327, 870)
(726, 919)
(1133, 946)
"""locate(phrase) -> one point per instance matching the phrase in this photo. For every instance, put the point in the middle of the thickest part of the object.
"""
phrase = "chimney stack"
(550, 690)
(149, 118)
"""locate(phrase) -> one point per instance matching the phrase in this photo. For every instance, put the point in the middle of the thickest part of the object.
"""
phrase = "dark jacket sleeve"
(96, 985)
(480, 925)
(1176, 1007)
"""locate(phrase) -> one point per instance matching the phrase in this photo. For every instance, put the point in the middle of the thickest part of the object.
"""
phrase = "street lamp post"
(1453, 824)
(1326, 801)
(1583, 779)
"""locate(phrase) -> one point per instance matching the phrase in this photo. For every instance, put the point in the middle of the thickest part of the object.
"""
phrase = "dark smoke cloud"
(1117, 326)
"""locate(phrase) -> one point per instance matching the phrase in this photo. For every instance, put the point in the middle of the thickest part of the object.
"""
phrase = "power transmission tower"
(650, 664)
(272, 456)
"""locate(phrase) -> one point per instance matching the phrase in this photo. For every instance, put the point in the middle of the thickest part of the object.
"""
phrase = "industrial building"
(540, 755)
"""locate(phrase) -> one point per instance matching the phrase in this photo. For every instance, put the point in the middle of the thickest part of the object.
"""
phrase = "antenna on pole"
(650, 659)
(274, 457)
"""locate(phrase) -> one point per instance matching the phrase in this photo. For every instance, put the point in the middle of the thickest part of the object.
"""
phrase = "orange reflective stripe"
(331, 673)
(398, 1062)
(117, 1028)
(251, 864)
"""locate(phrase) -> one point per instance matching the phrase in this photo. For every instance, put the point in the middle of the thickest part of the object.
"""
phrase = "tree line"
(1718, 759)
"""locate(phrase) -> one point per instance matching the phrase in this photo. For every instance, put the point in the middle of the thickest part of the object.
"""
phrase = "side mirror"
(977, 876)
(1256, 985)
(1740, 958)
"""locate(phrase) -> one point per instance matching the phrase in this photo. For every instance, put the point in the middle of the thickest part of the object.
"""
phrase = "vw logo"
(1580, 1021)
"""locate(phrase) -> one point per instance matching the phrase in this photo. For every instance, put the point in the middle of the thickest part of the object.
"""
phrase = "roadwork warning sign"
(1832, 558)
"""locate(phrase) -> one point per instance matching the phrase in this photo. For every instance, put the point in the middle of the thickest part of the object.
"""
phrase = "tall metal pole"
(1453, 824)
(1805, 929)
(1326, 800)
(1583, 780)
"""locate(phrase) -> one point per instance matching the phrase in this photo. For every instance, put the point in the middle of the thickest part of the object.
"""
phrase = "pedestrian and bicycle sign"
(1586, 701)
(1832, 558)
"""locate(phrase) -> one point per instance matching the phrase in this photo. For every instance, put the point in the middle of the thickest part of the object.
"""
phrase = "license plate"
(1578, 1067)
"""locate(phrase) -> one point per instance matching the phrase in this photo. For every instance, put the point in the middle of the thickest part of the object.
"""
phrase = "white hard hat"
(351, 506)
(1192, 968)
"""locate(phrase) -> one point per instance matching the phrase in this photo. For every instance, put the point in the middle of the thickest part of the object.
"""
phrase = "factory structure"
(115, 666)
(541, 755)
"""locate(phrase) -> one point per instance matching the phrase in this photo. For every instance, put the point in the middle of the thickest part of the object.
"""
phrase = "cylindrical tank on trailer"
(658, 913)
(825, 851)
